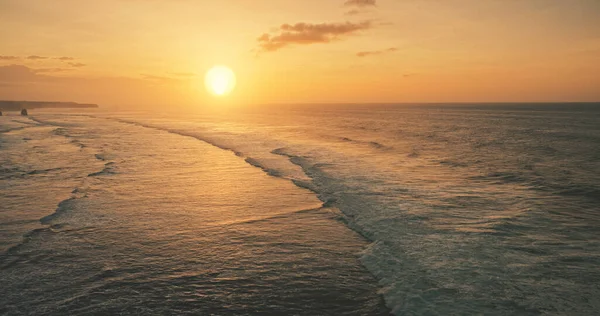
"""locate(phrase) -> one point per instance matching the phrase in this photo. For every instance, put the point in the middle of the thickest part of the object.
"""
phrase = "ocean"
(437, 209)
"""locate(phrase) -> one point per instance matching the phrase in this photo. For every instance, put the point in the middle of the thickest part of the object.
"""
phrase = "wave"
(296, 160)
(15, 172)
(250, 160)
(32, 123)
(43, 171)
(422, 268)
(372, 144)
(17, 128)
(62, 131)
(110, 168)
(455, 164)
(501, 177)
(588, 191)
(329, 203)
(8, 130)
(318, 181)
(64, 207)
(279, 216)
(178, 132)
(11, 172)
(258, 164)
(398, 274)
(46, 122)
(540, 183)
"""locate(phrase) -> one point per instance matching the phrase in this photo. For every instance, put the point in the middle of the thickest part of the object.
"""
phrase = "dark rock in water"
(0, 113)
(24, 112)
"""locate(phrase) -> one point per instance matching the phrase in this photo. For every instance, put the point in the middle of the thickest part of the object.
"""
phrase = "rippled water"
(489, 209)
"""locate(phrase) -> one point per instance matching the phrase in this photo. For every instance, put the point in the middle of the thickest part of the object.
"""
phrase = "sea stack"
(24, 112)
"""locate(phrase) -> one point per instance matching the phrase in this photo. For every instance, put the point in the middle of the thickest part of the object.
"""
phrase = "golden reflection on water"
(173, 223)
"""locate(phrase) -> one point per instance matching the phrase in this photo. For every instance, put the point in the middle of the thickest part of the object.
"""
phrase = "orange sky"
(143, 53)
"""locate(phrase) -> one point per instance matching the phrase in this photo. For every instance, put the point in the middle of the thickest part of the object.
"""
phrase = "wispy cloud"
(76, 65)
(20, 82)
(160, 79)
(376, 52)
(360, 3)
(359, 6)
(308, 33)
(16, 74)
(23, 74)
(36, 57)
(183, 74)
(51, 70)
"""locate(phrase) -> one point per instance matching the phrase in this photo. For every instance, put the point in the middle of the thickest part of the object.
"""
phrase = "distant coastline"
(19, 105)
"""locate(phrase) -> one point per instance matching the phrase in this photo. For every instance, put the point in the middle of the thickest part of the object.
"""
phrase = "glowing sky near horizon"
(154, 52)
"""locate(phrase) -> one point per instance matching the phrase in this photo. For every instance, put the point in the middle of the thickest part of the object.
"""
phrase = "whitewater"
(303, 210)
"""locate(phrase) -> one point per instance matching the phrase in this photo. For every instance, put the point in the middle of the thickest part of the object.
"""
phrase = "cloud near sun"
(360, 3)
(307, 33)
(376, 52)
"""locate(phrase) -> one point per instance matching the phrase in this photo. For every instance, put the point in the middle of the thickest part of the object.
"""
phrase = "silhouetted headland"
(20, 105)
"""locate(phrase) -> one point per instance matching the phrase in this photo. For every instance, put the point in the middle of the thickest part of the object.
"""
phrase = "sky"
(147, 53)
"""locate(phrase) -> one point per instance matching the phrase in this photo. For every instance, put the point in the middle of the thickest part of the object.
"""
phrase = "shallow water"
(160, 223)
(465, 210)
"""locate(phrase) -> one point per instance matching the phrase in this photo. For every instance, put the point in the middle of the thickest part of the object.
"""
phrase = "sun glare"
(220, 80)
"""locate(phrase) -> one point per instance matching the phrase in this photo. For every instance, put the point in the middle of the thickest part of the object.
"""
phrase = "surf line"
(328, 202)
(249, 160)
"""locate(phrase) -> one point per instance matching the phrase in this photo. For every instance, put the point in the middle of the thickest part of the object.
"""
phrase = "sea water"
(303, 210)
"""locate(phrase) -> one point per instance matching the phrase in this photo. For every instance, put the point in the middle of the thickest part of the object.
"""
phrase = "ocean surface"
(455, 209)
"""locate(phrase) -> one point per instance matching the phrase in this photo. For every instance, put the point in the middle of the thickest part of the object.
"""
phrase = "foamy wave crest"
(265, 160)
(109, 169)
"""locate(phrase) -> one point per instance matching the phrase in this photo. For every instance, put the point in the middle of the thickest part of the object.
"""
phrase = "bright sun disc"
(219, 80)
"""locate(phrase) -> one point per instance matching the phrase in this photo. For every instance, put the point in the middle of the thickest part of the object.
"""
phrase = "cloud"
(160, 79)
(19, 82)
(51, 70)
(359, 6)
(307, 33)
(154, 77)
(36, 57)
(23, 74)
(9, 57)
(77, 65)
(183, 74)
(16, 73)
(376, 52)
(360, 3)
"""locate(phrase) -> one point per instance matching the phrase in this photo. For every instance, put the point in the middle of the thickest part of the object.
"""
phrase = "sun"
(220, 80)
